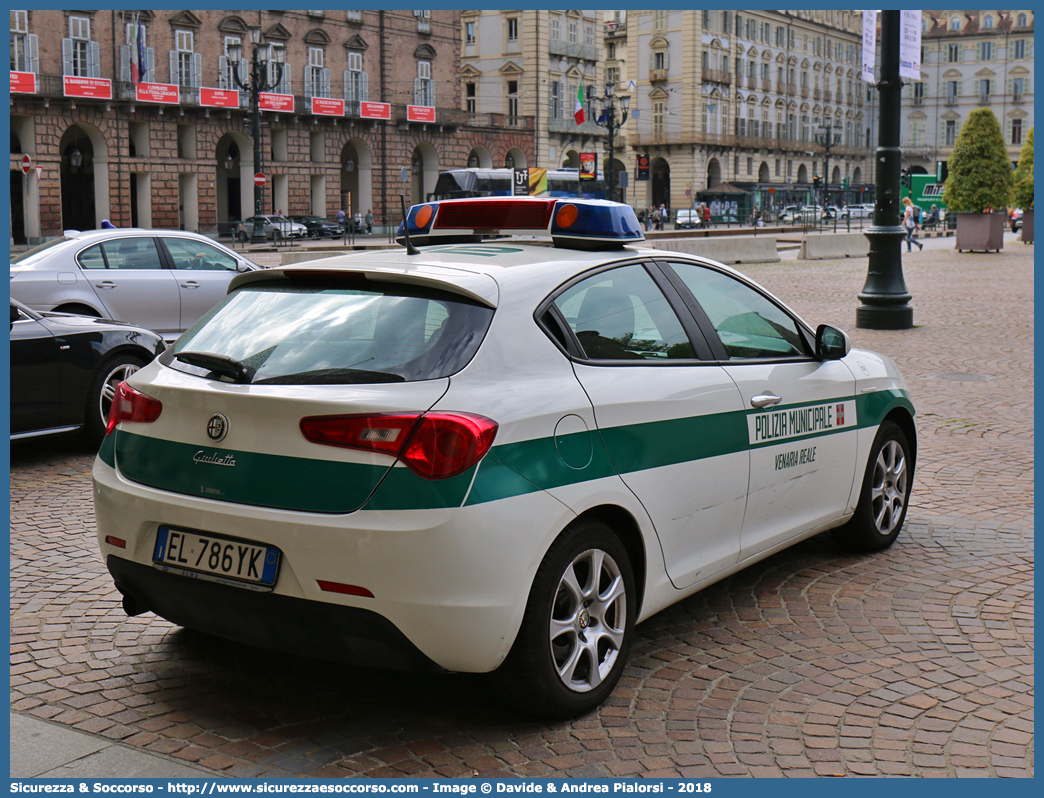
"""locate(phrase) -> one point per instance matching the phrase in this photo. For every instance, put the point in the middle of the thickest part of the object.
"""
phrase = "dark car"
(65, 369)
(318, 227)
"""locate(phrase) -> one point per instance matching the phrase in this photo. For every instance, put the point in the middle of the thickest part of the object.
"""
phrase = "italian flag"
(578, 112)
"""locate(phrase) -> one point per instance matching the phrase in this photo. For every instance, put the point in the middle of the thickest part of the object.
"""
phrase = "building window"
(918, 90)
(610, 51)
(469, 33)
(954, 53)
(317, 80)
(572, 28)
(556, 29)
(955, 24)
(356, 88)
(1022, 21)
(916, 132)
(423, 85)
(589, 36)
(777, 167)
(660, 60)
(469, 98)
(354, 16)
(1018, 87)
(951, 132)
(659, 20)
(512, 29)
(21, 43)
(985, 86)
(1016, 131)
(953, 88)
(80, 39)
(658, 115)
(987, 51)
(554, 96)
(512, 104)
(987, 23)
(1020, 49)
(423, 21)
(612, 76)
(184, 56)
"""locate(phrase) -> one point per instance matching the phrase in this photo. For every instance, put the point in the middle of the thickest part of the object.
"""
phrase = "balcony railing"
(716, 76)
(781, 87)
(859, 100)
(423, 25)
(951, 99)
(826, 95)
(918, 100)
(615, 28)
(766, 84)
(657, 75)
(817, 94)
(984, 99)
(566, 124)
(1016, 98)
(804, 92)
(584, 51)
(791, 89)
(500, 121)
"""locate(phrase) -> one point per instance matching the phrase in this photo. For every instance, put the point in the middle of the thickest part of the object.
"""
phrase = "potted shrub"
(1024, 188)
(979, 186)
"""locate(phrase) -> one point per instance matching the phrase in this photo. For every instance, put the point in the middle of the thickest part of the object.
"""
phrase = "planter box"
(1027, 226)
(980, 232)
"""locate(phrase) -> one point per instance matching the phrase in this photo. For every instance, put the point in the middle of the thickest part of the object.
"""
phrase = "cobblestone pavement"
(916, 661)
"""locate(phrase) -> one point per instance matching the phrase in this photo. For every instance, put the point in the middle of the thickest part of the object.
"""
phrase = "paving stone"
(916, 661)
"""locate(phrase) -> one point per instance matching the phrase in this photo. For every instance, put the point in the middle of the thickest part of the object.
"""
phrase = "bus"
(563, 182)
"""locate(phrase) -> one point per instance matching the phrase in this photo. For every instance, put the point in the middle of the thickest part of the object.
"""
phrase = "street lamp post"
(885, 299)
(607, 119)
(258, 83)
(828, 138)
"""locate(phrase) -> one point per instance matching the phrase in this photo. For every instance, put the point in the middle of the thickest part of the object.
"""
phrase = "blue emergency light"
(570, 223)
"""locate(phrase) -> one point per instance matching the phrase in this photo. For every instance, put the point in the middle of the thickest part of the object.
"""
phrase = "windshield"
(308, 333)
(31, 256)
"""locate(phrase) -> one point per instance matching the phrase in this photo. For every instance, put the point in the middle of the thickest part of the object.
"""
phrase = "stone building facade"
(739, 97)
(169, 160)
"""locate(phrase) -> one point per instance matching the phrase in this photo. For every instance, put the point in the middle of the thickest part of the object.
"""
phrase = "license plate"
(238, 560)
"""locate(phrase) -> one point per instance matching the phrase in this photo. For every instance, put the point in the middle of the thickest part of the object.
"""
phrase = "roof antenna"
(410, 249)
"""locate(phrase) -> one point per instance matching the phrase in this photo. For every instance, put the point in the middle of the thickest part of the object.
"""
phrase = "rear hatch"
(236, 386)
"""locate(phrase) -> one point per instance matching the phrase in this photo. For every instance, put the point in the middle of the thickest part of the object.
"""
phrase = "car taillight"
(432, 445)
(131, 405)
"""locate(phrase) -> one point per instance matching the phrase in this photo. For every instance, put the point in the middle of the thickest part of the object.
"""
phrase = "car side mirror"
(831, 343)
(14, 314)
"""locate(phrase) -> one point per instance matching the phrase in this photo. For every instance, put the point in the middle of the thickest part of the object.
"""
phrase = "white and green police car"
(477, 456)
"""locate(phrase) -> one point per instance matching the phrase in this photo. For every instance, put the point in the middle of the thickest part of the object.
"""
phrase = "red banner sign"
(284, 103)
(158, 93)
(368, 110)
(92, 88)
(420, 113)
(219, 98)
(23, 83)
(325, 106)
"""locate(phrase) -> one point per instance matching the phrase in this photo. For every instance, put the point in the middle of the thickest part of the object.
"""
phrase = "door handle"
(105, 284)
(764, 400)
(190, 284)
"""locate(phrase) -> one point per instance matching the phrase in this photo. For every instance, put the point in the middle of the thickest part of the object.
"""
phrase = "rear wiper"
(221, 364)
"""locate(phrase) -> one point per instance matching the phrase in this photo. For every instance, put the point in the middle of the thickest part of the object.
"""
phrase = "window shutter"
(284, 84)
(197, 70)
(33, 51)
(1026, 85)
(1007, 131)
(223, 72)
(347, 86)
(174, 67)
(667, 60)
(325, 75)
(94, 59)
(364, 87)
(125, 71)
(418, 88)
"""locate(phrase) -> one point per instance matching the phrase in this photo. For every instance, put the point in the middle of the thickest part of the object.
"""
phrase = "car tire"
(885, 495)
(578, 626)
(242, 236)
(113, 370)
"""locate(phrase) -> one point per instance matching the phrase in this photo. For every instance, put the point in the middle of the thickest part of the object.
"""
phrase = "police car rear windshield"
(335, 332)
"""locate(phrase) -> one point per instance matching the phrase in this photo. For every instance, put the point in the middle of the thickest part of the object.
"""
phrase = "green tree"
(980, 170)
(1024, 175)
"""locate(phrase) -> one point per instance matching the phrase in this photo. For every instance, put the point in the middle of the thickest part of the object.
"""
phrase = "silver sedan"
(159, 279)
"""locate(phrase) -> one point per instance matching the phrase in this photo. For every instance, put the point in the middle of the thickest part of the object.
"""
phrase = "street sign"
(642, 167)
(260, 180)
(27, 165)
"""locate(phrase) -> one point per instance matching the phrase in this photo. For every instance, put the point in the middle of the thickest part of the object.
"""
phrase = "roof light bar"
(571, 223)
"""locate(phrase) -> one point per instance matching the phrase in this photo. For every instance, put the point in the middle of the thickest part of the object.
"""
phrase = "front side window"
(316, 73)
(469, 33)
(512, 29)
(313, 332)
(621, 314)
(748, 324)
(197, 256)
(185, 50)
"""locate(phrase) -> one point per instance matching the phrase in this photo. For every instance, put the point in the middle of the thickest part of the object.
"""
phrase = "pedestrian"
(910, 224)
(369, 222)
(358, 221)
(754, 216)
(663, 214)
(706, 216)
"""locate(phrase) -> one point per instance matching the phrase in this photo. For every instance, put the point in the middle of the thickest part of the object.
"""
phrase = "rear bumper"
(268, 620)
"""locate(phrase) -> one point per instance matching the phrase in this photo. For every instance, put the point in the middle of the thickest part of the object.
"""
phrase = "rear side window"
(621, 314)
(358, 332)
(132, 253)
